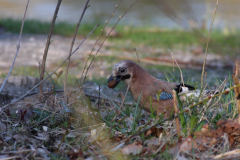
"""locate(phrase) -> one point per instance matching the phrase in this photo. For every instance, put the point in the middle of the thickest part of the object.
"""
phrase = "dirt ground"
(32, 48)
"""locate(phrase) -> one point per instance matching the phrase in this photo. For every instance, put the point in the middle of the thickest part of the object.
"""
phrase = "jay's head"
(122, 71)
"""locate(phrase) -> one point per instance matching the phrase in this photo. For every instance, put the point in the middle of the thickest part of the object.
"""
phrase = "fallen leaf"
(75, 154)
(3, 127)
(205, 128)
(45, 128)
(60, 145)
(43, 136)
(146, 151)
(132, 149)
(152, 143)
(153, 132)
(119, 137)
(229, 127)
(188, 144)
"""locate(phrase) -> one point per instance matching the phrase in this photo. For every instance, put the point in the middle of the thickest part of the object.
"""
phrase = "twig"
(176, 110)
(83, 75)
(120, 17)
(206, 50)
(178, 67)
(8, 158)
(99, 96)
(236, 81)
(137, 55)
(47, 47)
(18, 47)
(18, 152)
(234, 154)
(70, 51)
(53, 71)
(117, 114)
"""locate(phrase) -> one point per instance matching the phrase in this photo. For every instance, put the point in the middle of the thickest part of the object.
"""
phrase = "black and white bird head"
(122, 71)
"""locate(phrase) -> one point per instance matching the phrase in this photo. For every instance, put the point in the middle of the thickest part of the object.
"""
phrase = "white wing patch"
(185, 89)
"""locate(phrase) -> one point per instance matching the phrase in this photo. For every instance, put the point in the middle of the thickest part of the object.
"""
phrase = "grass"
(149, 35)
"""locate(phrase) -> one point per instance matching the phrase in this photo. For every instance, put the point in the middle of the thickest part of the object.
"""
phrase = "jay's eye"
(122, 70)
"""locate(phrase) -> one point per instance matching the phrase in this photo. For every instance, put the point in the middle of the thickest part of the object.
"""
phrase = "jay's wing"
(164, 96)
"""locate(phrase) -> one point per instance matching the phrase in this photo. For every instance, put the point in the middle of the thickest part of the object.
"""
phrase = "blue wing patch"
(164, 96)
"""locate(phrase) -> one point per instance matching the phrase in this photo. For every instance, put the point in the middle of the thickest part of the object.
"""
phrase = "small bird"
(156, 94)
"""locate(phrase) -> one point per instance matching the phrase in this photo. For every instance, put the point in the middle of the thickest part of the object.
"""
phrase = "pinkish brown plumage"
(141, 81)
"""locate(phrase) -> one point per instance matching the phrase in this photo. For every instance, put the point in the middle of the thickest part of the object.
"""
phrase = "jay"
(156, 94)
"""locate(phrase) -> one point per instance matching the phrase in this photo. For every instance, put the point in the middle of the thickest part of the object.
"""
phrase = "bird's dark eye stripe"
(126, 77)
(119, 77)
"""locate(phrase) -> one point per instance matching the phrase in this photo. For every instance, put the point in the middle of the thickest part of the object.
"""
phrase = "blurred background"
(161, 13)
(153, 27)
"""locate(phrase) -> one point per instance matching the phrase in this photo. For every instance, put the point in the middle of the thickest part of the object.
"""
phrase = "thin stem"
(178, 66)
(18, 47)
(206, 50)
(47, 47)
(70, 51)
(117, 114)
(176, 110)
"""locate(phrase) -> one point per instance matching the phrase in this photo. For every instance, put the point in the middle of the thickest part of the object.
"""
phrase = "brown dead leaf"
(205, 128)
(203, 142)
(212, 133)
(119, 137)
(146, 151)
(138, 142)
(206, 138)
(132, 149)
(153, 132)
(188, 144)
(232, 129)
(229, 127)
(231, 140)
(75, 154)
(174, 148)
(153, 143)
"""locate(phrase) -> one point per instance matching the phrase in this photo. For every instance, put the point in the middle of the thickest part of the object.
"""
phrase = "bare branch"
(176, 110)
(47, 47)
(18, 47)
(70, 51)
(205, 58)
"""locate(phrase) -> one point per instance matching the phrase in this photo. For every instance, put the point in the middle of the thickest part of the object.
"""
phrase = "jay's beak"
(113, 81)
